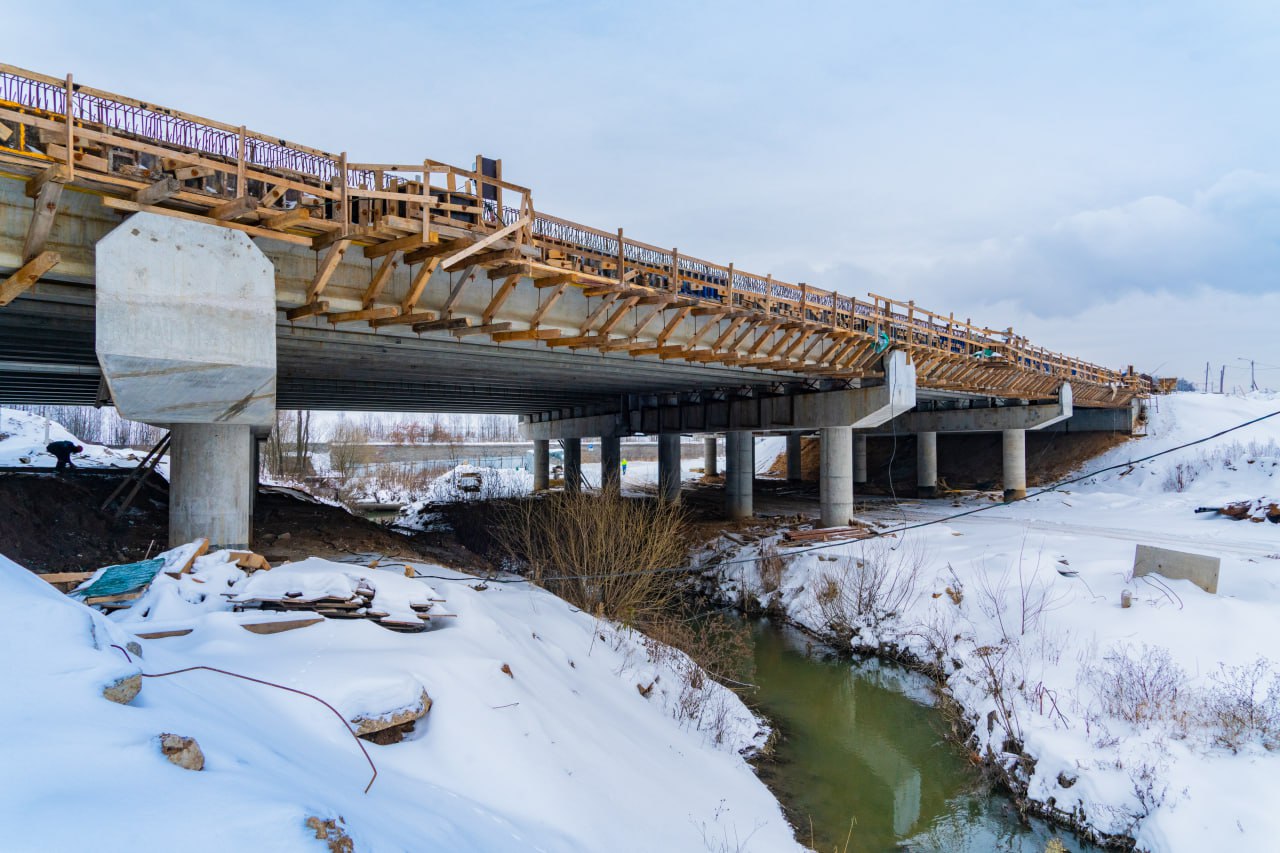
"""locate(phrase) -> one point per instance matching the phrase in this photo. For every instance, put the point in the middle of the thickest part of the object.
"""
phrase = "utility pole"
(1253, 375)
(1204, 389)
(1222, 380)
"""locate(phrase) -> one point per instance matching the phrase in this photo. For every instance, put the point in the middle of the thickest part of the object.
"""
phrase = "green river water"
(862, 759)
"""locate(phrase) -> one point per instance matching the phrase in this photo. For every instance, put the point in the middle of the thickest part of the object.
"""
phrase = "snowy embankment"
(23, 441)
(549, 729)
(1157, 721)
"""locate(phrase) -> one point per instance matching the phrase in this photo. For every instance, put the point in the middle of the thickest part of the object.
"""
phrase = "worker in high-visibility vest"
(624, 467)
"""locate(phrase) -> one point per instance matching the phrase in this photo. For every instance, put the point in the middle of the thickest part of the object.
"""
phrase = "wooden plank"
(430, 251)
(506, 269)
(364, 314)
(234, 209)
(134, 207)
(161, 190)
(553, 280)
(160, 635)
(277, 626)
(527, 335)
(604, 305)
(675, 321)
(454, 259)
(498, 298)
(310, 309)
(552, 298)
(616, 317)
(580, 340)
(379, 281)
(57, 173)
(66, 577)
(486, 329)
(272, 196)
(328, 263)
(191, 173)
(27, 275)
(456, 292)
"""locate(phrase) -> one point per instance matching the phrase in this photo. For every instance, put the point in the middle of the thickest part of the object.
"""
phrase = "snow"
(23, 442)
(1031, 592)
(562, 754)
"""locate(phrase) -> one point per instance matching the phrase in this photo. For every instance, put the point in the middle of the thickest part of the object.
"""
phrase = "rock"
(1065, 780)
(369, 725)
(182, 751)
(134, 648)
(284, 537)
(123, 690)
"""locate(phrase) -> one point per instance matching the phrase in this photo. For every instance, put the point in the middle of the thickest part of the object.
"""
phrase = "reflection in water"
(861, 747)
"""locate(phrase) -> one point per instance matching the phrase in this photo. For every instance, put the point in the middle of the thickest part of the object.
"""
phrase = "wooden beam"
(616, 317)
(506, 269)
(552, 298)
(577, 341)
(235, 209)
(443, 324)
(453, 259)
(57, 173)
(273, 195)
(527, 335)
(328, 263)
(290, 218)
(379, 281)
(418, 285)
(163, 189)
(554, 280)
(46, 208)
(405, 319)
(607, 301)
(402, 244)
(495, 303)
(728, 333)
(426, 253)
(456, 292)
(310, 309)
(675, 321)
(133, 207)
(27, 275)
(364, 314)
(486, 329)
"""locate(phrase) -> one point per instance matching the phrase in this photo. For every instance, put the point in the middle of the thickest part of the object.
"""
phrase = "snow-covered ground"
(24, 436)
(538, 738)
(1158, 720)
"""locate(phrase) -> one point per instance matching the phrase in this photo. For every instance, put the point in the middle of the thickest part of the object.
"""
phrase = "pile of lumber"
(825, 534)
(359, 606)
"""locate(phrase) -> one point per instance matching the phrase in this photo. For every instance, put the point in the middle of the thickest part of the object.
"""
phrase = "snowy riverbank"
(550, 730)
(1155, 721)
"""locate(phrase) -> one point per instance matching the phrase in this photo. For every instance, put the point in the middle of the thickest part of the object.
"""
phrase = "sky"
(1104, 177)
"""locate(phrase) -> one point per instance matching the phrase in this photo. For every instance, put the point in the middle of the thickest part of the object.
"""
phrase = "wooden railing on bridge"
(140, 156)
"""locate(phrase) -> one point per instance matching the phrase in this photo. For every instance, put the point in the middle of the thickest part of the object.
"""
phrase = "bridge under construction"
(199, 275)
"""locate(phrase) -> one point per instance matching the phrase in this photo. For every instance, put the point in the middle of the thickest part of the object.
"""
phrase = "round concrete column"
(572, 465)
(211, 480)
(859, 459)
(669, 466)
(541, 464)
(610, 464)
(709, 461)
(739, 473)
(1015, 464)
(795, 462)
(926, 464)
(836, 477)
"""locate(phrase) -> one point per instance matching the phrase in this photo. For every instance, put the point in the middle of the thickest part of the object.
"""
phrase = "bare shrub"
(771, 567)
(870, 588)
(1244, 704)
(606, 554)
(1140, 686)
(1018, 599)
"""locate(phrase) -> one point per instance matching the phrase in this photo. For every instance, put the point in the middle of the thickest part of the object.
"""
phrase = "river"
(862, 764)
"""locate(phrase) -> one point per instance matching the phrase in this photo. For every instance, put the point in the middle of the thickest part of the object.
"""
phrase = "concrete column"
(710, 464)
(211, 480)
(859, 459)
(926, 464)
(611, 463)
(739, 473)
(1015, 464)
(835, 480)
(669, 466)
(541, 464)
(795, 467)
(572, 465)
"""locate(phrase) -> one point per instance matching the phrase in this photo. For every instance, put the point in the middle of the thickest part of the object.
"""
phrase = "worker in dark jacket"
(63, 450)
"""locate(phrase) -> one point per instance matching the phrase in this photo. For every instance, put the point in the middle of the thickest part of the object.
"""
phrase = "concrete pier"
(669, 466)
(541, 464)
(795, 466)
(211, 480)
(859, 459)
(709, 461)
(836, 477)
(1015, 464)
(610, 463)
(926, 464)
(739, 474)
(572, 465)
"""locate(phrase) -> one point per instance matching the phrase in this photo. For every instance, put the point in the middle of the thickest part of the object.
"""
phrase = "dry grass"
(869, 588)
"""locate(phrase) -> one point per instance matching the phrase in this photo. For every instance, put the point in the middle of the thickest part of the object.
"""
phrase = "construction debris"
(393, 726)
(1262, 509)
(825, 534)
